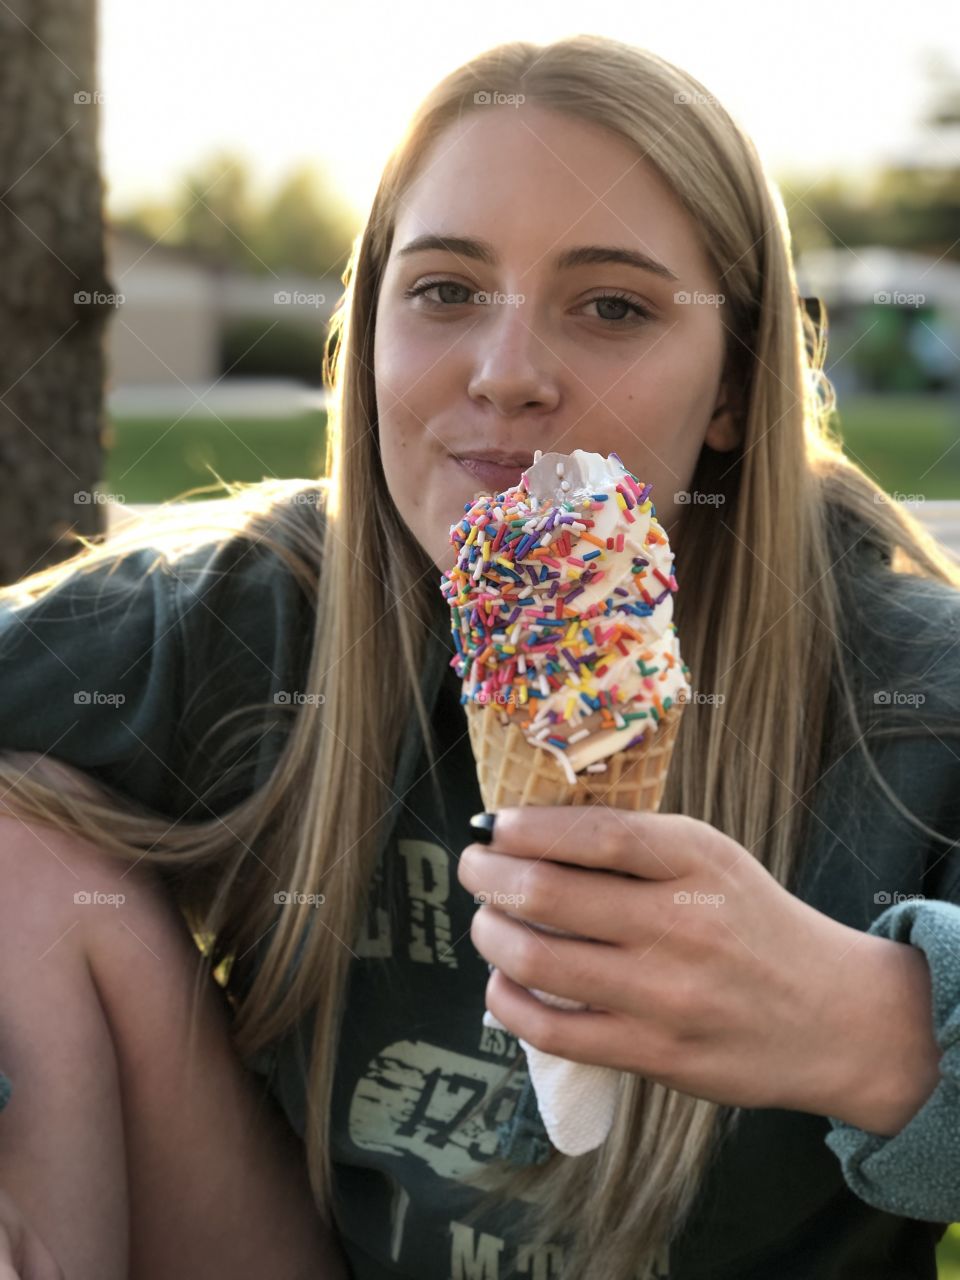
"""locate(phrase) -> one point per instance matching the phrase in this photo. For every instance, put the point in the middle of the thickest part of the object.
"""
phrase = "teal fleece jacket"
(791, 1195)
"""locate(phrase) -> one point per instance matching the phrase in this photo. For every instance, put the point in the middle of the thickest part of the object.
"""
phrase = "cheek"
(398, 450)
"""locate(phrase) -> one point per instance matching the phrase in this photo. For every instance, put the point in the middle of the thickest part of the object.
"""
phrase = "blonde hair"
(739, 764)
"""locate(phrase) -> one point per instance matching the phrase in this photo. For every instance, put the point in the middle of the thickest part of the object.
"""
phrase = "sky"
(829, 84)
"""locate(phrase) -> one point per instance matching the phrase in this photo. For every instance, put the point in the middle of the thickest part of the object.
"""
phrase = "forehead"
(530, 179)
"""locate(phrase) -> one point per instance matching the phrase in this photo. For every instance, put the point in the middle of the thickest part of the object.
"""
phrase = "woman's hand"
(701, 971)
(22, 1255)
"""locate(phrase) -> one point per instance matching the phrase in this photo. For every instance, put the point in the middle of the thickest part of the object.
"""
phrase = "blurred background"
(180, 185)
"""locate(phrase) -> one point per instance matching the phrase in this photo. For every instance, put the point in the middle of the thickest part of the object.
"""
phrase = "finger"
(653, 846)
(574, 1034)
(588, 972)
(593, 904)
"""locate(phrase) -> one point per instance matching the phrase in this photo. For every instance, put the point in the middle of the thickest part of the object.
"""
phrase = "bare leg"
(115, 1149)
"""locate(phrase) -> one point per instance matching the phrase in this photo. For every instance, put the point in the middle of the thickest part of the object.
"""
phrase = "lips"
(494, 477)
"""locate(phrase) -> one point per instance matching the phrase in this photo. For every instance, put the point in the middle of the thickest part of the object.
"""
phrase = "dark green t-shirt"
(227, 626)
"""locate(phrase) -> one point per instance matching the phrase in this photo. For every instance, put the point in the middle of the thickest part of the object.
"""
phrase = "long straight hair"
(740, 762)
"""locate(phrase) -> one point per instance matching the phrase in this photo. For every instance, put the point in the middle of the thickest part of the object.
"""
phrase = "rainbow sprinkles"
(561, 604)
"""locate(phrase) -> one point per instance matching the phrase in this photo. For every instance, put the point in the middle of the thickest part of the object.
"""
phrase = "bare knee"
(60, 888)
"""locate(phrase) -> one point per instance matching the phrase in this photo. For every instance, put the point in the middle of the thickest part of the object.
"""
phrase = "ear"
(724, 430)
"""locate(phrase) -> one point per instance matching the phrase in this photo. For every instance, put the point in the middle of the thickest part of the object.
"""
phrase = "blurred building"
(182, 323)
(894, 317)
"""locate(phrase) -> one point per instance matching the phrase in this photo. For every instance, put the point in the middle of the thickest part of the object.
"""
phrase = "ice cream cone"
(573, 683)
(512, 772)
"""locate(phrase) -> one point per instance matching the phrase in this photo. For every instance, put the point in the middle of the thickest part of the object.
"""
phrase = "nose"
(514, 369)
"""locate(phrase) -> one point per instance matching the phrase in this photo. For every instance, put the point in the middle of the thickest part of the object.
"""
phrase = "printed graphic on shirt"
(415, 1098)
(480, 1255)
(429, 937)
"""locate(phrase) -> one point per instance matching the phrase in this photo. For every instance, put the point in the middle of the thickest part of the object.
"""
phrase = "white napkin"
(576, 1100)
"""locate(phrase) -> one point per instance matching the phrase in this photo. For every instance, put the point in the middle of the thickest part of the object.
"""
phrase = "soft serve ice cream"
(561, 604)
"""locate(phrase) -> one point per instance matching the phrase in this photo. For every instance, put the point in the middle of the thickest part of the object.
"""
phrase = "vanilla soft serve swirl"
(561, 604)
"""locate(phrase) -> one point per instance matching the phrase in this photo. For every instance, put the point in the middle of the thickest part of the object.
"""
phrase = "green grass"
(150, 460)
(948, 1255)
(908, 444)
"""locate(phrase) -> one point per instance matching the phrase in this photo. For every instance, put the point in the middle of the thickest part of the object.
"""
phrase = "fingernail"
(482, 824)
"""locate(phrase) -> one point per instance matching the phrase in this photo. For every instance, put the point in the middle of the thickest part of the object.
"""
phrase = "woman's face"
(506, 348)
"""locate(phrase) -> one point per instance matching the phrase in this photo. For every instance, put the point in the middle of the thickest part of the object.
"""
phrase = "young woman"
(573, 246)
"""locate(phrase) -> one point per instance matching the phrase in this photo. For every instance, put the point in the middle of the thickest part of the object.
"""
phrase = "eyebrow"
(579, 256)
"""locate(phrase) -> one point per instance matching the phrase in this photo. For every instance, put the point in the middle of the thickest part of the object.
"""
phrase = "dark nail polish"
(482, 825)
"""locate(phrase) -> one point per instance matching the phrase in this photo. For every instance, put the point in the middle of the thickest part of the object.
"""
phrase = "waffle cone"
(511, 772)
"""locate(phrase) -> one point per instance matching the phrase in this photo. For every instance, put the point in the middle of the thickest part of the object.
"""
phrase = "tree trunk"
(54, 295)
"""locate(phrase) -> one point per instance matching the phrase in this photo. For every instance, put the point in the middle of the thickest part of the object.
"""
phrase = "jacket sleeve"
(916, 1172)
(170, 679)
(90, 672)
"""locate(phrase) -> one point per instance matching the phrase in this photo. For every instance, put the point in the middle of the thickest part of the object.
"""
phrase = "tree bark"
(54, 294)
